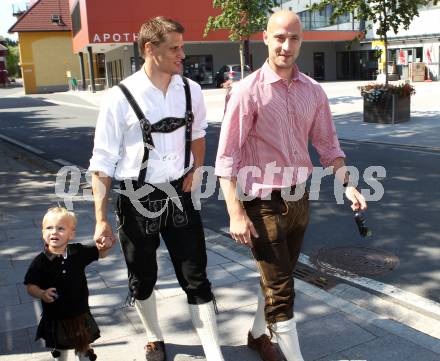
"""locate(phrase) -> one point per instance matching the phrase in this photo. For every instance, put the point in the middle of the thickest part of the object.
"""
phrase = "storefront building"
(110, 28)
(420, 43)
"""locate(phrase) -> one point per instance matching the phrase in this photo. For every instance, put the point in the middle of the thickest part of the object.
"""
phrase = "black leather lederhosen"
(157, 200)
(181, 229)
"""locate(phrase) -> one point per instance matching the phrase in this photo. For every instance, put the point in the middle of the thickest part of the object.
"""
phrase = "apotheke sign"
(115, 37)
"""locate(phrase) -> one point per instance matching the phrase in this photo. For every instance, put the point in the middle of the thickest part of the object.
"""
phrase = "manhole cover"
(361, 261)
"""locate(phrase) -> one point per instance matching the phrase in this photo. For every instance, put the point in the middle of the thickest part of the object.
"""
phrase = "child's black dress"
(71, 309)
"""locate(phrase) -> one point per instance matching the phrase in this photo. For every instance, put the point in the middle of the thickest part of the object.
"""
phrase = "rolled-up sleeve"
(199, 110)
(236, 124)
(108, 135)
(323, 132)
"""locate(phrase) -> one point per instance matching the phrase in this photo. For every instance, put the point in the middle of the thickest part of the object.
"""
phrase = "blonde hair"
(155, 30)
(59, 212)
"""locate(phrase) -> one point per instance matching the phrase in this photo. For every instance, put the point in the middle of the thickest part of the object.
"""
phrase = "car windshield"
(238, 68)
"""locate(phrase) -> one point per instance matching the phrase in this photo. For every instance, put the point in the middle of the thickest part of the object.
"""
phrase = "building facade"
(45, 43)
(420, 43)
(361, 60)
(110, 28)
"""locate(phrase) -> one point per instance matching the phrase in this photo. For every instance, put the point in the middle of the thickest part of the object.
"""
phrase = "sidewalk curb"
(410, 146)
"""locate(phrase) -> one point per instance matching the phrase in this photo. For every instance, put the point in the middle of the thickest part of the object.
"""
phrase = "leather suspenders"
(165, 125)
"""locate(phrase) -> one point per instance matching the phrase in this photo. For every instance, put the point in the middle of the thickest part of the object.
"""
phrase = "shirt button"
(62, 262)
(64, 271)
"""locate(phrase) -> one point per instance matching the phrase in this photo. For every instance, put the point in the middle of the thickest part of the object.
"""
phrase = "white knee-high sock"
(205, 323)
(287, 338)
(259, 325)
(64, 355)
(81, 357)
(147, 311)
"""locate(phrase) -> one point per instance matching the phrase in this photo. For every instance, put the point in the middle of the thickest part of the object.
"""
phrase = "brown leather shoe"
(264, 347)
(155, 351)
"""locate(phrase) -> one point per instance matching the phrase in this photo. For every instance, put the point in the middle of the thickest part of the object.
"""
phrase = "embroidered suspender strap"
(146, 131)
(164, 126)
(189, 117)
(145, 124)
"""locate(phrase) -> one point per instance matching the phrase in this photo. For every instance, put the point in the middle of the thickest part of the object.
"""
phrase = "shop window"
(419, 54)
(100, 65)
(140, 62)
(115, 72)
(110, 74)
(198, 68)
(76, 19)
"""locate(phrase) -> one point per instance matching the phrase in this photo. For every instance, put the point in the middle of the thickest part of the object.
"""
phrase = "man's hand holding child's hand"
(104, 243)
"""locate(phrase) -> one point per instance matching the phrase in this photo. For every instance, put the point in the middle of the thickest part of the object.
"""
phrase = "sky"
(6, 18)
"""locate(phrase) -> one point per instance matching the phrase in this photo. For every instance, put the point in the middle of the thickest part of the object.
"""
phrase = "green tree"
(387, 15)
(241, 18)
(10, 42)
(12, 61)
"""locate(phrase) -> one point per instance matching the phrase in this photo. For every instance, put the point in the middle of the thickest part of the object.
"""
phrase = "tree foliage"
(12, 61)
(12, 56)
(387, 15)
(241, 18)
(10, 42)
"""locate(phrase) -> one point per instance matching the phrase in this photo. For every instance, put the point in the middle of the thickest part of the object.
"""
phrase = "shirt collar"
(271, 77)
(176, 80)
(52, 256)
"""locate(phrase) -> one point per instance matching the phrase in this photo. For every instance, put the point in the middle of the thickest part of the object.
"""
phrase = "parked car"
(230, 72)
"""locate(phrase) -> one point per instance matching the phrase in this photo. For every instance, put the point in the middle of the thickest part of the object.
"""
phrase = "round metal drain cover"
(361, 261)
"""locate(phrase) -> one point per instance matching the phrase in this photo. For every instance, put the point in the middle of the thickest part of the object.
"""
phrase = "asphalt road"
(404, 222)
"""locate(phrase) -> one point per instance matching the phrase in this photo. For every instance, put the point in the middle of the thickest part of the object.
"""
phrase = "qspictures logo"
(69, 185)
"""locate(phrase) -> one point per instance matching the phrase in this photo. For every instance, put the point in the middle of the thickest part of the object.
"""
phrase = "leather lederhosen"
(157, 200)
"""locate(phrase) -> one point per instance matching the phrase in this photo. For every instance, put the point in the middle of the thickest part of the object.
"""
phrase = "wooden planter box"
(387, 110)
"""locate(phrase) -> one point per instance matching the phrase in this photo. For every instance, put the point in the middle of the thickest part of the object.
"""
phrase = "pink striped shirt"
(266, 129)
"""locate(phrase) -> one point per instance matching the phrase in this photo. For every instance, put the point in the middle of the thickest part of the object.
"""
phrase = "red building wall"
(116, 21)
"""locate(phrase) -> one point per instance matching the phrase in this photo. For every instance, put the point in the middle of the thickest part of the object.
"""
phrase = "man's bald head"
(283, 18)
(283, 38)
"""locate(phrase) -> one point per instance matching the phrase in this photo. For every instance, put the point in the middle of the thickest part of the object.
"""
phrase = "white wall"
(124, 52)
(298, 5)
(425, 23)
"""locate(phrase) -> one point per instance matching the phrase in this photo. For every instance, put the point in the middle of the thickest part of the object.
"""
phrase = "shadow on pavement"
(23, 102)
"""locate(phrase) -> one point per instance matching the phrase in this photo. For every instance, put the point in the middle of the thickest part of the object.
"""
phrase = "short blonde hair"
(155, 30)
(60, 212)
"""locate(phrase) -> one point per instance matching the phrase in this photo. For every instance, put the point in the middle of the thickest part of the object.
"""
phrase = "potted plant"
(387, 103)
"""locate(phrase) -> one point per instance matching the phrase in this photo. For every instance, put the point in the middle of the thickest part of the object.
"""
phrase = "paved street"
(345, 322)
(61, 127)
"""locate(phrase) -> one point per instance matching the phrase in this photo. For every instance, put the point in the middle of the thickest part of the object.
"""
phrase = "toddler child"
(57, 277)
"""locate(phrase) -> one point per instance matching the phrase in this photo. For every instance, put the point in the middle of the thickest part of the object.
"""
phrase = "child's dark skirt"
(70, 333)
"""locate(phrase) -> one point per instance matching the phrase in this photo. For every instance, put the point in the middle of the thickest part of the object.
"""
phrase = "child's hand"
(49, 295)
(104, 243)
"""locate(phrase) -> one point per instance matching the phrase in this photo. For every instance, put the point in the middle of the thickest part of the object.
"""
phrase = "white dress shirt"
(118, 148)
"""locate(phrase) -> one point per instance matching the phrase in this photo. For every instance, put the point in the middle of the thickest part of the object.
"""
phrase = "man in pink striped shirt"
(269, 118)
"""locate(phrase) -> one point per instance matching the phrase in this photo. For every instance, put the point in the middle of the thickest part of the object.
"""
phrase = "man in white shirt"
(150, 137)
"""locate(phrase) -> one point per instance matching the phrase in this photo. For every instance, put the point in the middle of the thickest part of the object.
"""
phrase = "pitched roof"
(39, 17)
(3, 47)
